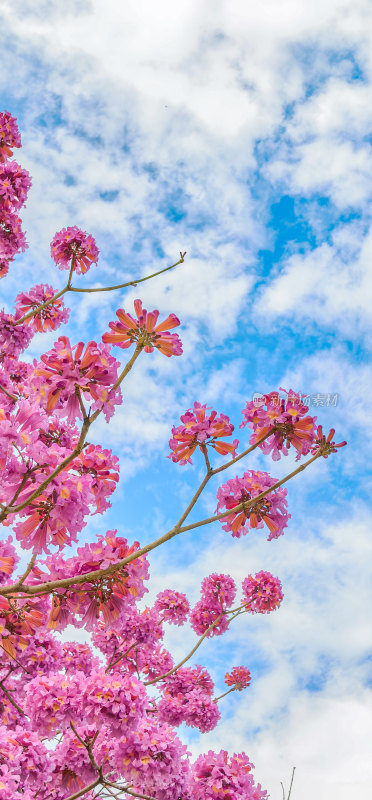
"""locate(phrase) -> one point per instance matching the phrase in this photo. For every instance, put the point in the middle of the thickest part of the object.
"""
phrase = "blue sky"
(242, 134)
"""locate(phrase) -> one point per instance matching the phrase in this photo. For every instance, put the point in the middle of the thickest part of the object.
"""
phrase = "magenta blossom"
(199, 429)
(262, 593)
(9, 135)
(145, 331)
(74, 246)
(271, 509)
(172, 606)
(285, 418)
(14, 185)
(12, 238)
(239, 678)
(48, 318)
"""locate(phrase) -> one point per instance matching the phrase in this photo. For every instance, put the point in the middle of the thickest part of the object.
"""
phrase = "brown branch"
(49, 586)
(129, 283)
(10, 698)
(233, 688)
(28, 569)
(83, 791)
(36, 310)
(88, 746)
(11, 396)
(126, 790)
(83, 434)
(191, 653)
(234, 611)
(243, 454)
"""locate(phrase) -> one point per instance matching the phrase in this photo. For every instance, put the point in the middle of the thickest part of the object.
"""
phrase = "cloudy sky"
(240, 132)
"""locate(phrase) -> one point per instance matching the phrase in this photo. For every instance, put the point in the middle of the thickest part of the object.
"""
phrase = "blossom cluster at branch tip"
(9, 135)
(239, 678)
(262, 593)
(217, 595)
(270, 510)
(200, 429)
(48, 318)
(74, 245)
(286, 418)
(144, 331)
(324, 444)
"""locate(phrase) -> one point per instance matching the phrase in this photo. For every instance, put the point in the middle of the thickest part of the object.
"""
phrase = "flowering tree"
(74, 723)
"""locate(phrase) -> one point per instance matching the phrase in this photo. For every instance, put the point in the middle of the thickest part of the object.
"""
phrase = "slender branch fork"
(48, 586)
(69, 288)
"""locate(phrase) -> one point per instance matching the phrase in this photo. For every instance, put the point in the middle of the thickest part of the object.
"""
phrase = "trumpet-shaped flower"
(9, 135)
(239, 677)
(199, 429)
(74, 246)
(144, 331)
(283, 422)
(270, 509)
(262, 593)
(48, 318)
(14, 185)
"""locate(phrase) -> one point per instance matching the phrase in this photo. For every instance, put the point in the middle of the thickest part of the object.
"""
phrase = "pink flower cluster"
(14, 185)
(91, 368)
(262, 593)
(48, 318)
(217, 595)
(285, 418)
(239, 677)
(144, 331)
(218, 777)
(270, 510)
(9, 135)
(172, 606)
(8, 559)
(199, 429)
(72, 247)
(324, 443)
(187, 697)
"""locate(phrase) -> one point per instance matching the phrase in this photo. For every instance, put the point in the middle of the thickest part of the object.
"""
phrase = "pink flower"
(144, 331)
(271, 509)
(9, 135)
(48, 318)
(239, 677)
(215, 776)
(4, 266)
(14, 185)
(187, 697)
(199, 430)
(73, 245)
(8, 559)
(13, 338)
(262, 593)
(173, 606)
(325, 445)
(286, 419)
(151, 759)
(12, 238)
(203, 615)
(94, 370)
